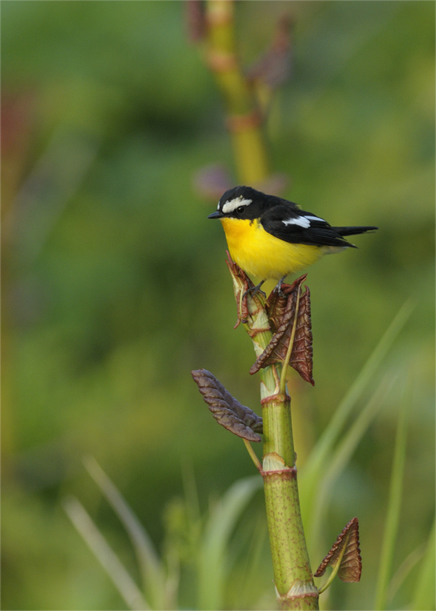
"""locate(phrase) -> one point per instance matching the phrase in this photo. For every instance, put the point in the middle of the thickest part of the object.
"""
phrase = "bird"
(270, 237)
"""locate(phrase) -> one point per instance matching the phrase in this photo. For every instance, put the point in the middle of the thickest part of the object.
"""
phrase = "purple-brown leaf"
(350, 568)
(281, 312)
(227, 410)
(302, 352)
(274, 67)
(243, 285)
(279, 301)
(195, 19)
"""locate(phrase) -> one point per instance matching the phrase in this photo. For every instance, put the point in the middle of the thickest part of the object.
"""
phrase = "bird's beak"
(215, 215)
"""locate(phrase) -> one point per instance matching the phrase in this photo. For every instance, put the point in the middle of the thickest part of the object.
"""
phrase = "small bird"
(270, 237)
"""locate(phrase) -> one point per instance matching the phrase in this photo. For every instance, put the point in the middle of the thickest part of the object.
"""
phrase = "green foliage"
(202, 543)
(212, 549)
(425, 584)
(152, 572)
(114, 283)
(108, 559)
(393, 514)
(317, 479)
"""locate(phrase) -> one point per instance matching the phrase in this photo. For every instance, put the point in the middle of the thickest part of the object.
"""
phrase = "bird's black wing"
(299, 227)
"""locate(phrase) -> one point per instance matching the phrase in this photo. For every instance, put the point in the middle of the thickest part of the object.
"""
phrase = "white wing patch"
(235, 203)
(303, 221)
(315, 218)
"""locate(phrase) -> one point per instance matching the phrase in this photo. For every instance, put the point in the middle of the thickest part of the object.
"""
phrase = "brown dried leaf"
(281, 312)
(227, 410)
(302, 353)
(241, 285)
(350, 568)
(195, 19)
(274, 67)
(276, 349)
(277, 303)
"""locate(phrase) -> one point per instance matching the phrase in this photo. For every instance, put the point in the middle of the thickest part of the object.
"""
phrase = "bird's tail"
(353, 230)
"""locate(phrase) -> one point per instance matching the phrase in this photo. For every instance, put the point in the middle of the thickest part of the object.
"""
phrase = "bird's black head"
(241, 203)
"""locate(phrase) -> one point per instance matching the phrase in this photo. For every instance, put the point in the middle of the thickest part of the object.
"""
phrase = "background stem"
(243, 114)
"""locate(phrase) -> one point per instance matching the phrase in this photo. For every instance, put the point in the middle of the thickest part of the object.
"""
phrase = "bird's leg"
(255, 289)
(279, 287)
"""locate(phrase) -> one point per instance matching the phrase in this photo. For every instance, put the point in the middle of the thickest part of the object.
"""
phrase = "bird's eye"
(240, 209)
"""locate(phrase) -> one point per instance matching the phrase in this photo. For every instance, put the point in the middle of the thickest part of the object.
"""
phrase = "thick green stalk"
(292, 573)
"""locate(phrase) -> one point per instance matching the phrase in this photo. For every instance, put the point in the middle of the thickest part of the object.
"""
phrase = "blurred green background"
(115, 287)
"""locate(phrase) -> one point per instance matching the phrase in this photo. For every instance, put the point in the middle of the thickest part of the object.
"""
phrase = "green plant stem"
(292, 573)
(252, 455)
(333, 574)
(243, 116)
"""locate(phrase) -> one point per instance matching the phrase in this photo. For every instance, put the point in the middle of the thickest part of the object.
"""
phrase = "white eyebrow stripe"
(302, 221)
(235, 203)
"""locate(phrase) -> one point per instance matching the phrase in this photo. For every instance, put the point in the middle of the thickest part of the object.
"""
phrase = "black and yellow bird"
(270, 237)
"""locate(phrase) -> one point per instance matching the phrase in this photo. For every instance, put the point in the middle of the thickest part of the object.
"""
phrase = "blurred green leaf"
(424, 597)
(404, 569)
(340, 457)
(394, 506)
(212, 553)
(314, 469)
(104, 554)
(89, 332)
(152, 570)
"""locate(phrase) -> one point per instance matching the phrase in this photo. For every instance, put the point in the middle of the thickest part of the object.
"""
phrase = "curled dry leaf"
(302, 352)
(350, 568)
(280, 301)
(241, 286)
(274, 67)
(281, 312)
(195, 20)
(227, 410)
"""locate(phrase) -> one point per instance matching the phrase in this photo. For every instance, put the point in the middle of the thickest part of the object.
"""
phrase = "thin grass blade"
(152, 570)
(404, 570)
(394, 506)
(105, 555)
(254, 561)
(424, 598)
(211, 558)
(314, 469)
(341, 457)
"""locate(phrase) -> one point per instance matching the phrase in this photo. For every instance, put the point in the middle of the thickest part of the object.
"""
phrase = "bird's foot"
(254, 290)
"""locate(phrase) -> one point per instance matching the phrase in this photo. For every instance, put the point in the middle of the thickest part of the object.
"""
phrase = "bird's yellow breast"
(263, 255)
